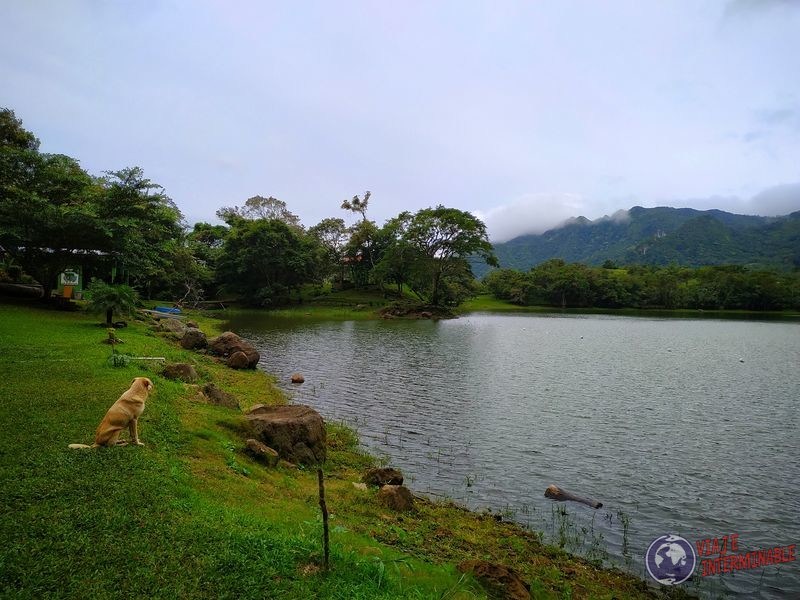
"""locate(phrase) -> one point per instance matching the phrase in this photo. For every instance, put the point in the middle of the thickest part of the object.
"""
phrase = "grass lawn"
(189, 515)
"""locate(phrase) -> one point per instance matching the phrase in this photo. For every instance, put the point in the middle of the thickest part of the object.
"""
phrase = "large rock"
(396, 497)
(238, 360)
(193, 339)
(219, 397)
(180, 372)
(499, 581)
(173, 326)
(228, 344)
(383, 476)
(296, 431)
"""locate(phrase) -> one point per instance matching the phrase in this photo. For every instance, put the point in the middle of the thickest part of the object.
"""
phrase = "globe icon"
(670, 559)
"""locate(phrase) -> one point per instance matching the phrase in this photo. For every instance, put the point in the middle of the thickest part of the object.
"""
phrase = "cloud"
(777, 116)
(532, 213)
(537, 213)
(777, 200)
(747, 8)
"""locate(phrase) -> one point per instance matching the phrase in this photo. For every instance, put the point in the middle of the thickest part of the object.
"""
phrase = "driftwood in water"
(556, 493)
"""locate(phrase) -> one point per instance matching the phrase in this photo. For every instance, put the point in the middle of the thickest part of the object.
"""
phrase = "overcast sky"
(525, 113)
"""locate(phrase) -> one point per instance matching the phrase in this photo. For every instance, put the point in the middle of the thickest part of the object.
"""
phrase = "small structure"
(70, 283)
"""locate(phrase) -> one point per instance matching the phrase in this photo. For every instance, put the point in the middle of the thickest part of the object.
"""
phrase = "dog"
(124, 413)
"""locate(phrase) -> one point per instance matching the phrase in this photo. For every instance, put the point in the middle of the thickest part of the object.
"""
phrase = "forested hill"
(660, 236)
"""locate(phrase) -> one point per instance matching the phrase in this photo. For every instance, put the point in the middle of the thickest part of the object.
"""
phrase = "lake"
(678, 426)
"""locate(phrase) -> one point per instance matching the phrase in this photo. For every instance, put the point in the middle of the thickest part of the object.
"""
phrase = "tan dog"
(124, 413)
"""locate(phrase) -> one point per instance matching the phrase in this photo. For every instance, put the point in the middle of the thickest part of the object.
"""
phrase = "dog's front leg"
(133, 428)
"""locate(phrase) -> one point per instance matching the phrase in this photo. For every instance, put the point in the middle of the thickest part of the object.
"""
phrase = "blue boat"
(168, 309)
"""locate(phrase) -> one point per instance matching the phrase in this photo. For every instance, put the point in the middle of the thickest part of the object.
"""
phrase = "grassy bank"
(189, 515)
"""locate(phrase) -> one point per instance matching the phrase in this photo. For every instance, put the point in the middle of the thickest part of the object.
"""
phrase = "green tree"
(48, 216)
(110, 299)
(264, 260)
(142, 224)
(259, 207)
(332, 234)
(444, 238)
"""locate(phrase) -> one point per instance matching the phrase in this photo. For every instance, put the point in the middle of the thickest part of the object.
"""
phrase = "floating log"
(556, 493)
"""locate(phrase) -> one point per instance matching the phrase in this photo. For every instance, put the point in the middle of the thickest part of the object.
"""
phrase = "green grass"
(190, 515)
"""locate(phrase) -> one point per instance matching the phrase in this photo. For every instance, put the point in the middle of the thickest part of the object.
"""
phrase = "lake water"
(677, 426)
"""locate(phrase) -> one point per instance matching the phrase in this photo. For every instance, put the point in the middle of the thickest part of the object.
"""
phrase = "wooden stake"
(323, 507)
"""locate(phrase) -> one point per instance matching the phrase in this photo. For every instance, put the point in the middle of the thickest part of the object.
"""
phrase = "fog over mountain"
(537, 213)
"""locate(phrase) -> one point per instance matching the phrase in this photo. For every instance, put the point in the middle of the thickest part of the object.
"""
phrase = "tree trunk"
(110, 317)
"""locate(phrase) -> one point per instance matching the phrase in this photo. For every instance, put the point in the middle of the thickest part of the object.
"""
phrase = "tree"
(444, 238)
(332, 234)
(53, 214)
(264, 260)
(48, 216)
(109, 299)
(142, 223)
(259, 207)
(358, 205)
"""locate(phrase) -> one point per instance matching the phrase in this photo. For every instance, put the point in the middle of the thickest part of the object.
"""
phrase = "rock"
(238, 360)
(173, 326)
(499, 581)
(383, 476)
(219, 397)
(298, 378)
(228, 343)
(193, 338)
(396, 497)
(262, 453)
(180, 372)
(296, 431)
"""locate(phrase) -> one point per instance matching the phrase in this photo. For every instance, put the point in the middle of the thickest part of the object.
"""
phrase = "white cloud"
(532, 213)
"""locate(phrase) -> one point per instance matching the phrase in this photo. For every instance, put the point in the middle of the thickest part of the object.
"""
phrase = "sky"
(524, 113)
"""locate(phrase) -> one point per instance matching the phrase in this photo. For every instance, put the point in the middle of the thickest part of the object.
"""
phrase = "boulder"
(383, 476)
(228, 343)
(296, 431)
(219, 397)
(180, 372)
(262, 453)
(499, 581)
(193, 339)
(238, 360)
(173, 326)
(298, 378)
(396, 497)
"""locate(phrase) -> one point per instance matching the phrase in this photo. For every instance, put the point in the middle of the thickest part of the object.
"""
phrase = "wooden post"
(323, 507)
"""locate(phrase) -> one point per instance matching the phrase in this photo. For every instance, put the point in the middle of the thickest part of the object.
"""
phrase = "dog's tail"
(79, 446)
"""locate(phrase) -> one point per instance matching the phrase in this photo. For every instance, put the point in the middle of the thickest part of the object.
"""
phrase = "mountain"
(660, 236)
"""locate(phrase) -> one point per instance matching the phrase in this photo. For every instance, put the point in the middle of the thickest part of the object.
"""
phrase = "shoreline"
(194, 475)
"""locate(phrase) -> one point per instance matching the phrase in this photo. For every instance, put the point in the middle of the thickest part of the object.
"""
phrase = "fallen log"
(556, 493)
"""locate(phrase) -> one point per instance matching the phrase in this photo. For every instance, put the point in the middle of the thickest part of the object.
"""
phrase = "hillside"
(660, 236)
